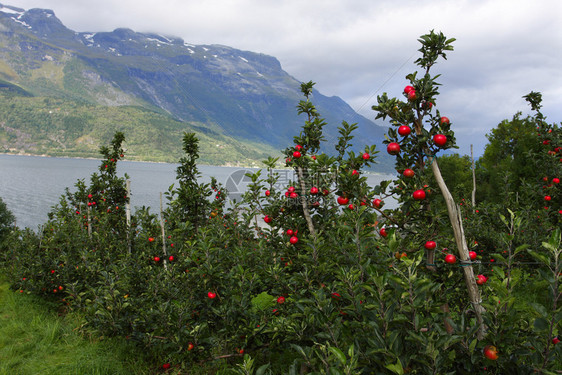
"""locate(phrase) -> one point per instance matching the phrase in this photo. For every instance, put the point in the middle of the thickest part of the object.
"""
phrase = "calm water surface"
(32, 185)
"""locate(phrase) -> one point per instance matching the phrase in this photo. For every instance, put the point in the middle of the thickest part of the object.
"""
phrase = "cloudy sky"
(357, 49)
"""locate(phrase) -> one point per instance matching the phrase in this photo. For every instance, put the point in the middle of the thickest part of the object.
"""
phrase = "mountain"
(240, 95)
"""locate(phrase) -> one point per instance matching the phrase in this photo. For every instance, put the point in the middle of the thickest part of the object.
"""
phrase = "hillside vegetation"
(59, 127)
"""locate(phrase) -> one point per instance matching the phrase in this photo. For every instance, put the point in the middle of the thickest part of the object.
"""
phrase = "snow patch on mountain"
(11, 10)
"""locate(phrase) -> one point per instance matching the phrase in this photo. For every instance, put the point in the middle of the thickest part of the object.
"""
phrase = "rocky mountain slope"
(242, 95)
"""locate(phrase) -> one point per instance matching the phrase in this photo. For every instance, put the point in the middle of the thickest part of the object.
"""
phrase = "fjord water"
(31, 185)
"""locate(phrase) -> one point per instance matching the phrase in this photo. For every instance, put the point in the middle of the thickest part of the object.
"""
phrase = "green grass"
(35, 340)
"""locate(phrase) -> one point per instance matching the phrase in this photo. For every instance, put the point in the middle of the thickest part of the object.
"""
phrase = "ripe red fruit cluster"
(280, 300)
(211, 295)
(290, 193)
(383, 233)
(267, 219)
(410, 93)
(378, 203)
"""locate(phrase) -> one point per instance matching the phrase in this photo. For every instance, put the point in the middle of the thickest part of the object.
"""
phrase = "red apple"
(450, 258)
(419, 194)
(157, 259)
(267, 193)
(293, 240)
(555, 340)
(409, 173)
(298, 147)
(314, 190)
(171, 258)
(166, 366)
(383, 233)
(211, 295)
(296, 154)
(280, 300)
(366, 156)
(404, 130)
(412, 95)
(291, 189)
(491, 352)
(393, 148)
(440, 140)
(547, 198)
(378, 203)
(556, 180)
(430, 245)
(445, 120)
(472, 255)
(289, 232)
(427, 105)
(150, 239)
(407, 89)
(481, 279)
(343, 201)
(267, 219)
(351, 206)
(354, 172)
(293, 195)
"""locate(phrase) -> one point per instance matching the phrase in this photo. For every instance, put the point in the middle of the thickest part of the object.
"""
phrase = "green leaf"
(541, 324)
(339, 354)
(261, 369)
(396, 368)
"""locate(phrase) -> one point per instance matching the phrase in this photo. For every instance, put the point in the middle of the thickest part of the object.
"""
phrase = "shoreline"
(163, 162)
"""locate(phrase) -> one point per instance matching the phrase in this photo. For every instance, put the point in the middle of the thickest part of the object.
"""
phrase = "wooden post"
(473, 180)
(89, 221)
(128, 214)
(304, 203)
(163, 234)
(455, 218)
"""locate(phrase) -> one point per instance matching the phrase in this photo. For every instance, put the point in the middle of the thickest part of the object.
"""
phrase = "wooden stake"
(473, 180)
(455, 218)
(163, 234)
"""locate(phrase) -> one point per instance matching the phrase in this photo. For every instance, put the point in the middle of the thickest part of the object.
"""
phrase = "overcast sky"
(357, 49)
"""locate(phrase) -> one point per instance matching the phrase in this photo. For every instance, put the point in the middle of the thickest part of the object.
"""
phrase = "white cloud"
(352, 48)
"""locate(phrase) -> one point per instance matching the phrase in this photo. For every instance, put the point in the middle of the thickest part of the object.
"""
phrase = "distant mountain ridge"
(239, 94)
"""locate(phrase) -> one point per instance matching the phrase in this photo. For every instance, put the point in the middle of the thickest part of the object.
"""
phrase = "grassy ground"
(34, 340)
